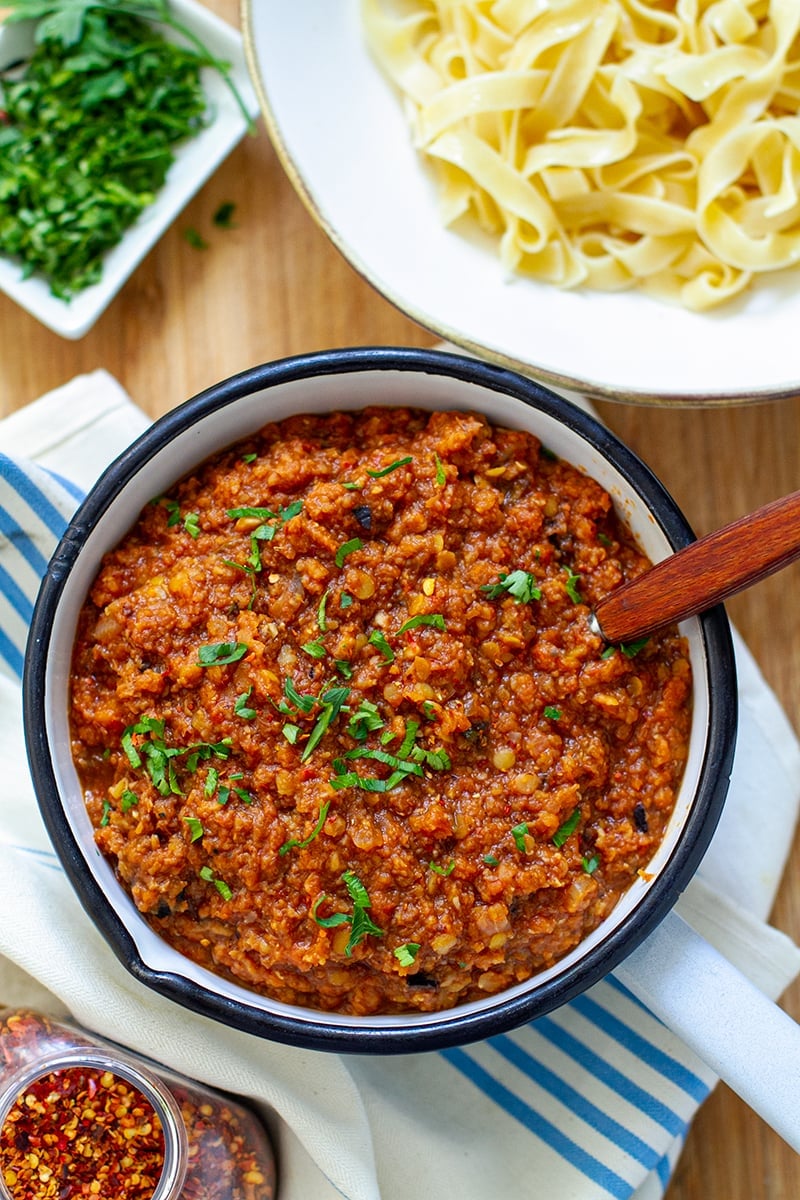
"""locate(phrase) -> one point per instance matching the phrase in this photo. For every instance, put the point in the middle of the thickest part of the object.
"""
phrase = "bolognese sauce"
(342, 726)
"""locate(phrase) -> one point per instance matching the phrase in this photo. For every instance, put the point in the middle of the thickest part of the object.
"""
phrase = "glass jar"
(80, 1116)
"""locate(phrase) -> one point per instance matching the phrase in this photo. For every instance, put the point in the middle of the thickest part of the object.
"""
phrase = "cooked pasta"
(610, 143)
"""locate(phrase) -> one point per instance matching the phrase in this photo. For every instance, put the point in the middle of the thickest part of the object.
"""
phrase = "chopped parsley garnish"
(191, 523)
(291, 733)
(571, 585)
(347, 548)
(271, 523)
(491, 860)
(551, 712)
(590, 865)
(223, 217)
(294, 844)
(441, 477)
(407, 953)
(360, 922)
(364, 720)
(218, 654)
(144, 746)
(194, 238)
(345, 600)
(249, 570)
(241, 708)
(208, 875)
(567, 829)
(196, 830)
(127, 800)
(321, 618)
(436, 620)
(376, 638)
(90, 129)
(304, 702)
(631, 649)
(331, 703)
(398, 462)
(444, 871)
(408, 761)
(315, 649)
(249, 458)
(227, 789)
(519, 833)
(344, 668)
(519, 584)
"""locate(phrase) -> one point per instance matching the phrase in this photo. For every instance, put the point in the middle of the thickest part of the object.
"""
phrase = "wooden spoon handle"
(704, 573)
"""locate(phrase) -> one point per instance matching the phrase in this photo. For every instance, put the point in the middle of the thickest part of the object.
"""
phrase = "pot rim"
(326, 1031)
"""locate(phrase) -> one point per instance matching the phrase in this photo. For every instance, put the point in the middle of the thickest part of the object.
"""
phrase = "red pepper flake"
(229, 1155)
(81, 1131)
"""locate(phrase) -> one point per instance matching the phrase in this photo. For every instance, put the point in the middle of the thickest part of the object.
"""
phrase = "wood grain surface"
(275, 286)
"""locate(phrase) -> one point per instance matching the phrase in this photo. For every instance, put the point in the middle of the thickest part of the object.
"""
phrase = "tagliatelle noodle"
(609, 143)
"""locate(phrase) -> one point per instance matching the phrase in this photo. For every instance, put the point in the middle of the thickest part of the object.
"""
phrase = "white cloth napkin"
(591, 1101)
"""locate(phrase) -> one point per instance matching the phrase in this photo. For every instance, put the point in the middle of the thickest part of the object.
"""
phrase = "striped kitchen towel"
(592, 1101)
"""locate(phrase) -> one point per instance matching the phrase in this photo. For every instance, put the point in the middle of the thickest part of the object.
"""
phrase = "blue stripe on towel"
(45, 510)
(77, 493)
(658, 1059)
(21, 541)
(11, 653)
(553, 1137)
(22, 604)
(572, 1099)
(609, 1075)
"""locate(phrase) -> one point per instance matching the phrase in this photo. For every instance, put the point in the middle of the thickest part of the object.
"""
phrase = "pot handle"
(746, 1039)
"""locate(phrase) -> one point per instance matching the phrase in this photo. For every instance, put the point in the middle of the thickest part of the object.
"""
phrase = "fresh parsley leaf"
(241, 708)
(519, 584)
(321, 617)
(519, 833)
(364, 720)
(567, 829)
(571, 585)
(407, 953)
(436, 620)
(223, 217)
(631, 649)
(398, 462)
(294, 844)
(194, 238)
(376, 638)
(444, 871)
(441, 477)
(361, 924)
(195, 828)
(347, 548)
(218, 654)
(191, 523)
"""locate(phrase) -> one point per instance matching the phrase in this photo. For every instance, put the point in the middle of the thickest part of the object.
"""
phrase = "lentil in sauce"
(341, 723)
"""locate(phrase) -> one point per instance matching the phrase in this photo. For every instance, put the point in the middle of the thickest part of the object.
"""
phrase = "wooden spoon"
(703, 574)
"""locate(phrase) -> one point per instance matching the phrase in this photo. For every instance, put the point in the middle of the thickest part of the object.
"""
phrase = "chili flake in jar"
(79, 1117)
(342, 725)
(81, 1131)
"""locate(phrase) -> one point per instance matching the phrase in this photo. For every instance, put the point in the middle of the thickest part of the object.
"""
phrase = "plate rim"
(582, 385)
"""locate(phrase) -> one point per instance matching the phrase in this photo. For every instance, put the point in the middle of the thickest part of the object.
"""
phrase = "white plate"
(343, 139)
(195, 161)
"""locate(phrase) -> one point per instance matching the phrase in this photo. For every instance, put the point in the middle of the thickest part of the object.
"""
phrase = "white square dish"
(195, 161)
